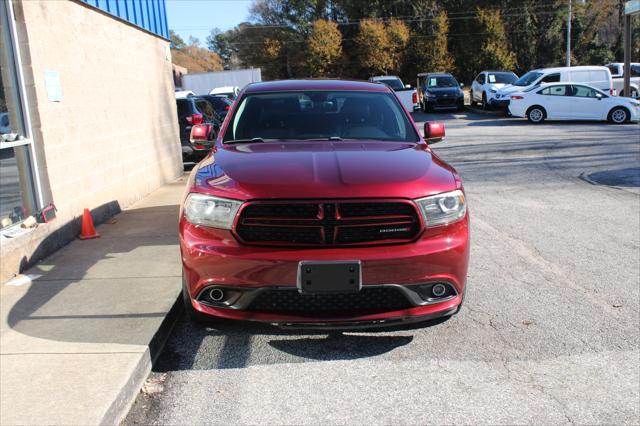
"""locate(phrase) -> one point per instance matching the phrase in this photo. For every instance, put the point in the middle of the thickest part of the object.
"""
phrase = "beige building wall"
(114, 136)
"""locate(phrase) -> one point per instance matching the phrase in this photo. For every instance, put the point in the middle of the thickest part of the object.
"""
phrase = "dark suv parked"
(194, 110)
(439, 91)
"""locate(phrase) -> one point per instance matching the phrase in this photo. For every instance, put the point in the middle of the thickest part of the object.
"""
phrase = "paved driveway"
(550, 328)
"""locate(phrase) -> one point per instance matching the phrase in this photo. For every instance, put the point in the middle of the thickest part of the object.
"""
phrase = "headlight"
(443, 208)
(206, 210)
(430, 95)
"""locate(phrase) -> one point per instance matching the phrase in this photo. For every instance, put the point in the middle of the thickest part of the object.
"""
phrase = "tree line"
(358, 38)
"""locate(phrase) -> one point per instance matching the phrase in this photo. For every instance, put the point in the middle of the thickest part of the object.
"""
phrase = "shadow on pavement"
(627, 178)
(338, 346)
(111, 289)
(239, 344)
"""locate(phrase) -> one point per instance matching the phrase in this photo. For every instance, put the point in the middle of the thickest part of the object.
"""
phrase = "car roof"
(496, 71)
(621, 63)
(435, 74)
(577, 68)
(225, 88)
(315, 84)
(563, 83)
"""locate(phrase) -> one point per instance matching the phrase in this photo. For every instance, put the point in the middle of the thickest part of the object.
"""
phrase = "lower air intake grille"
(367, 301)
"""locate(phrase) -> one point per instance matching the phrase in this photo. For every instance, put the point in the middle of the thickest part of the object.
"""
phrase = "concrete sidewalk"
(77, 343)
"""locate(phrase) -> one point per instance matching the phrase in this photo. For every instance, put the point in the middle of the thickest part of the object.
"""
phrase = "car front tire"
(485, 105)
(536, 114)
(619, 115)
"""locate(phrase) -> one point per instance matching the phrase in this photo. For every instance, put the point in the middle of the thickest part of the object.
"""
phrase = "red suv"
(321, 204)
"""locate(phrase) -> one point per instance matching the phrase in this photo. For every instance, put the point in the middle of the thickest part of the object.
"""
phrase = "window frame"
(552, 94)
(24, 111)
(555, 74)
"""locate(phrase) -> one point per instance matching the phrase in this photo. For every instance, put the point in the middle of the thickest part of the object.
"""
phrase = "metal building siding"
(148, 14)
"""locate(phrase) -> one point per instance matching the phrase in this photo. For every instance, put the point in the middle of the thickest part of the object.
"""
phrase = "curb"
(120, 407)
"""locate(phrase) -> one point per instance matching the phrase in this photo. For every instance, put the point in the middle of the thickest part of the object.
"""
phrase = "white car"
(572, 101)
(230, 92)
(486, 85)
(407, 95)
(596, 76)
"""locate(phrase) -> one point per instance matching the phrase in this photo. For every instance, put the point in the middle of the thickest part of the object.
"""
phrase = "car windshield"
(319, 115)
(393, 83)
(528, 79)
(441, 81)
(502, 77)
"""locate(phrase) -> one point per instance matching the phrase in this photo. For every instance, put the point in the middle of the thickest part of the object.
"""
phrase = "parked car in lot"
(407, 95)
(193, 110)
(230, 92)
(440, 91)
(596, 76)
(617, 73)
(561, 101)
(486, 85)
(322, 205)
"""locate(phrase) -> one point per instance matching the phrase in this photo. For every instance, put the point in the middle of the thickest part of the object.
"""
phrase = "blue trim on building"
(148, 14)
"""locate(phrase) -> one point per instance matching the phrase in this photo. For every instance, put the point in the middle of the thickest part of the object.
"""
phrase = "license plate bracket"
(327, 277)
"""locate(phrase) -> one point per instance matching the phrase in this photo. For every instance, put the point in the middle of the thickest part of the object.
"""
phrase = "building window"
(18, 195)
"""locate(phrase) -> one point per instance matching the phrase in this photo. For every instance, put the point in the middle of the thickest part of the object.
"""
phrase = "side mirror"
(407, 86)
(461, 84)
(433, 132)
(599, 96)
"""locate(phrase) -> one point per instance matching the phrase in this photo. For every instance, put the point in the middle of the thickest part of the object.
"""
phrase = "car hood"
(510, 88)
(497, 86)
(363, 169)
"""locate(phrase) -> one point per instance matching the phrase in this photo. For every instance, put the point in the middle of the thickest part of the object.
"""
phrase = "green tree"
(372, 44)
(324, 48)
(494, 53)
(398, 35)
(176, 41)
(222, 43)
(441, 59)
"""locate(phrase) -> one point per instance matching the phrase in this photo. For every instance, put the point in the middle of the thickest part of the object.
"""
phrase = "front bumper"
(444, 103)
(213, 258)
(499, 103)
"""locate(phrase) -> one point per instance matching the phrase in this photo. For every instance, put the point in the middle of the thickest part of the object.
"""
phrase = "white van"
(595, 76)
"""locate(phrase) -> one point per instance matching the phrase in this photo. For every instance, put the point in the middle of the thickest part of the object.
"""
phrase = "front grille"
(327, 224)
(445, 101)
(367, 301)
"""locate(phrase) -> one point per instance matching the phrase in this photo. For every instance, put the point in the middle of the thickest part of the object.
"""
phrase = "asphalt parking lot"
(550, 328)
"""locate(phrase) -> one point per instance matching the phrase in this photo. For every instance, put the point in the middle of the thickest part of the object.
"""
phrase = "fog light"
(439, 290)
(216, 295)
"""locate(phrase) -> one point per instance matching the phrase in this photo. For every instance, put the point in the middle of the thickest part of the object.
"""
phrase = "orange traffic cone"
(88, 231)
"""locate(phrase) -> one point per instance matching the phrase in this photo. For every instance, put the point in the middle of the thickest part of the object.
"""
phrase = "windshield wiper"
(330, 138)
(252, 140)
